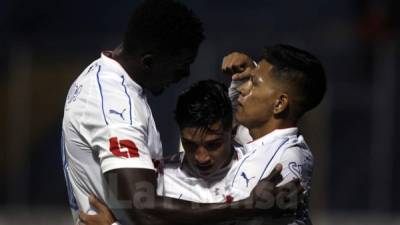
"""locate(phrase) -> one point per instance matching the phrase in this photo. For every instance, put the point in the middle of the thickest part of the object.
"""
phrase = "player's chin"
(205, 174)
(239, 116)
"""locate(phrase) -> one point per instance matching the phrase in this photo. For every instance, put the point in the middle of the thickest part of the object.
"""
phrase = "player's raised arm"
(238, 66)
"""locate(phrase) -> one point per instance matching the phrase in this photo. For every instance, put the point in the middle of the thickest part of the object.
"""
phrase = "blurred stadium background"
(45, 45)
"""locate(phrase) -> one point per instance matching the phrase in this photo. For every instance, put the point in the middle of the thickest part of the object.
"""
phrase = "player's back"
(81, 164)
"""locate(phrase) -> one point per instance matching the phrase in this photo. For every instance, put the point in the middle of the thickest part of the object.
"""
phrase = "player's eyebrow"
(217, 139)
(186, 140)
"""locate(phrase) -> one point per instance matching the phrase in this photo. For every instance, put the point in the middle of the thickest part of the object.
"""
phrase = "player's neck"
(229, 160)
(268, 127)
(129, 63)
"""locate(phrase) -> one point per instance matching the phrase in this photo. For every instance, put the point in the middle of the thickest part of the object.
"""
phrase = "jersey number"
(123, 148)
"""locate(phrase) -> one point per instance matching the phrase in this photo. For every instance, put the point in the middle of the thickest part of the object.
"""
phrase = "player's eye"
(188, 145)
(253, 81)
(213, 145)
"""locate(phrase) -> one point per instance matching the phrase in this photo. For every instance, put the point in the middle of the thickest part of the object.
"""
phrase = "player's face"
(257, 97)
(206, 151)
(172, 69)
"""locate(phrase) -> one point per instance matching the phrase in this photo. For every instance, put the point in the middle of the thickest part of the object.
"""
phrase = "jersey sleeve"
(117, 120)
(122, 146)
(296, 164)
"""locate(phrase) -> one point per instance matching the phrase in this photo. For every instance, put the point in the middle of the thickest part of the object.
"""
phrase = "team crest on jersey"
(73, 93)
(296, 169)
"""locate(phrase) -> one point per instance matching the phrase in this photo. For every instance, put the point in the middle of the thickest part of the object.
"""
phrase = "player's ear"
(281, 103)
(147, 61)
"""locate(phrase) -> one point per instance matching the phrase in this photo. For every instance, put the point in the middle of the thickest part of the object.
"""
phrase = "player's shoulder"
(171, 167)
(111, 76)
(294, 141)
(173, 160)
(297, 150)
(297, 159)
(121, 99)
(80, 92)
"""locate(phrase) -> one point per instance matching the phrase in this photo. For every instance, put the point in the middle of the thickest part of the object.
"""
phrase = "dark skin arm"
(136, 186)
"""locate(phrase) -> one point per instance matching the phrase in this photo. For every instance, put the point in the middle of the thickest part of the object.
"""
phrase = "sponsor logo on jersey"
(243, 174)
(121, 114)
(123, 148)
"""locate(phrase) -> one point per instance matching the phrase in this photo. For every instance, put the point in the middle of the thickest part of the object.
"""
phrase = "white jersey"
(284, 146)
(107, 125)
(255, 161)
(178, 184)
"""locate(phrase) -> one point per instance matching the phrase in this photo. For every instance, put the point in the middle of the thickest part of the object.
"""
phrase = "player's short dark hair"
(204, 104)
(302, 71)
(166, 26)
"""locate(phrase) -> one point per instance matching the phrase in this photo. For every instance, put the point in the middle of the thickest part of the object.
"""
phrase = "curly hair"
(163, 25)
(203, 104)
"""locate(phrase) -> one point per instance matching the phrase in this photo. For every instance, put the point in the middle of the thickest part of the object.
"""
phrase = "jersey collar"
(270, 137)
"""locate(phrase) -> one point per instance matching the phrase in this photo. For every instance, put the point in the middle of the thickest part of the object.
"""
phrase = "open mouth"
(204, 169)
(240, 100)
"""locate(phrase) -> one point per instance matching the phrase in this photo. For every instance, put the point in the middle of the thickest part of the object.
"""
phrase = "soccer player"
(110, 144)
(272, 98)
(287, 83)
(108, 128)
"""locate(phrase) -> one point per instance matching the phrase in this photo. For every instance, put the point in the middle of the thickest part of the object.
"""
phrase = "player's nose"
(202, 156)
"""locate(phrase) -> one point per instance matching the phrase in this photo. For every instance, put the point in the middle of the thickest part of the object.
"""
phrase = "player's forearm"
(174, 211)
(137, 189)
(147, 208)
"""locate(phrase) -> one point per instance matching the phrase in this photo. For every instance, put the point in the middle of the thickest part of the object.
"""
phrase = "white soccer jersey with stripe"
(285, 146)
(107, 125)
(178, 184)
(255, 161)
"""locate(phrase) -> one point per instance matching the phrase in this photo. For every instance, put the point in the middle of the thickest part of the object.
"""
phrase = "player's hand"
(237, 65)
(288, 198)
(104, 215)
(280, 201)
